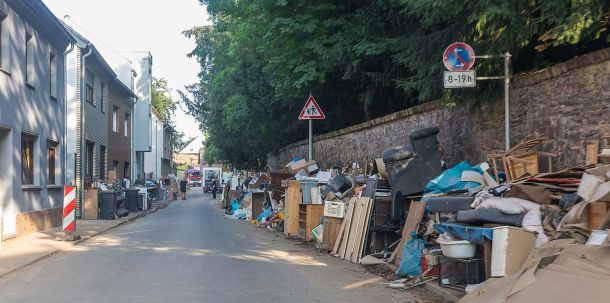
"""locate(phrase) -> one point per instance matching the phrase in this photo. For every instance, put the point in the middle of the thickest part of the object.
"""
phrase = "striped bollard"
(69, 209)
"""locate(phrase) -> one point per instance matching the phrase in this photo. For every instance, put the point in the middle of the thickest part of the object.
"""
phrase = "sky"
(143, 25)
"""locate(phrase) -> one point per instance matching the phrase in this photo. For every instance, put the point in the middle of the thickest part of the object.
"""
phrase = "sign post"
(459, 58)
(311, 111)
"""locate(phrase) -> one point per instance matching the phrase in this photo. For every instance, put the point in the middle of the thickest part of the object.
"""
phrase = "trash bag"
(410, 264)
(234, 205)
(264, 214)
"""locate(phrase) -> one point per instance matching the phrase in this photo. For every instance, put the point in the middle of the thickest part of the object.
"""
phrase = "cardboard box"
(509, 249)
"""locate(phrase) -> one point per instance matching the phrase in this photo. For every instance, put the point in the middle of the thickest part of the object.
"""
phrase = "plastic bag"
(234, 205)
(410, 264)
(263, 215)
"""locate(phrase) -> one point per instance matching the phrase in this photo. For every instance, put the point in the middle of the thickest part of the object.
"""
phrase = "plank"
(353, 231)
(347, 215)
(348, 219)
(592, 153)
(364, 230)
(416, 212)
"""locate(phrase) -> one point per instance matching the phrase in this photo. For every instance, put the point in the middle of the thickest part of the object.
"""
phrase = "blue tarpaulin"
(471, 234)
(451, 180)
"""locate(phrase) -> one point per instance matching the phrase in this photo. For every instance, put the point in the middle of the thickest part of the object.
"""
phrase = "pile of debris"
(493, 229)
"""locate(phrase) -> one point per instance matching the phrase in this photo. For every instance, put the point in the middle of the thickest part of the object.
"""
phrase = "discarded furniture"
(258, 199)
(91, 205)
(331, 231)
(409, 168)
(521, 160)
(309, 218)
(291, 207)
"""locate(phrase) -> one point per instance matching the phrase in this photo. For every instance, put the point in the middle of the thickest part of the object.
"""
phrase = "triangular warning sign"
(311, 111)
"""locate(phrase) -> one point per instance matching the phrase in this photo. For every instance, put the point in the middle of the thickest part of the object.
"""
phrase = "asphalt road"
(188, 252)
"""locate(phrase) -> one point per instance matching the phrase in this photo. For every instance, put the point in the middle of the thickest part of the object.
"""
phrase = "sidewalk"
(25, 250)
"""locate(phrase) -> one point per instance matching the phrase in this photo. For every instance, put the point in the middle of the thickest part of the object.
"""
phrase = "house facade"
(120, 108)
(90, 80)
(33, 44)
(167, 159)
(153, 160)
(190, 154)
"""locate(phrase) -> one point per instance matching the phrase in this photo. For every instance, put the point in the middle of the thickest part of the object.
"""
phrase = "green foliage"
(361, 59)
(161, 99)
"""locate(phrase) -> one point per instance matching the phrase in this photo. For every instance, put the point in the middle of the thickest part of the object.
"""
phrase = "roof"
(187, 145)
(42, 19)
(84, 43)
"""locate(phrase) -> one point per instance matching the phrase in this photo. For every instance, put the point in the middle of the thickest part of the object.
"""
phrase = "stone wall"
(568, 103)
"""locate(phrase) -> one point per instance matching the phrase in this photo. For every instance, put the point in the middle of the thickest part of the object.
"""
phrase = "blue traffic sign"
(458, 57)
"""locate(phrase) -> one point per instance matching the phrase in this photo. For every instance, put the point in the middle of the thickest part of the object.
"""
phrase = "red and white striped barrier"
(69, 208)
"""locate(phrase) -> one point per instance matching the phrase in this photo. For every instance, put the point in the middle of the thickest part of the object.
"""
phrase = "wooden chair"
(521, 160)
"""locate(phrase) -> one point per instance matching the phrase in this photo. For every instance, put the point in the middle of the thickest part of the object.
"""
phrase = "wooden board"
(416, 212)
(91, 204)
(348, 225)
(257, 203)
(355, 225)
(291, 208)
(341, 236)
(362, 232)
(523, 165)
(592, 153)
(332, 226)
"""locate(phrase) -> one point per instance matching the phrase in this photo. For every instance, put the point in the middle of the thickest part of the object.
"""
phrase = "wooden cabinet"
(292, 201)
(309, 218)
(331, 231)
(91, 205)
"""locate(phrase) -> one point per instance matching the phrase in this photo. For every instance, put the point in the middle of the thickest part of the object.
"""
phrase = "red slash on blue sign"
(458, 56)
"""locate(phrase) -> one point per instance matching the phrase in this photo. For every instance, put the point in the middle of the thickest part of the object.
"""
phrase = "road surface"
(188, 252)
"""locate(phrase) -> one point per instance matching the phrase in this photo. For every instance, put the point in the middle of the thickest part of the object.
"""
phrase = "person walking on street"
(175, 188)
(214, 188)
(183, 188)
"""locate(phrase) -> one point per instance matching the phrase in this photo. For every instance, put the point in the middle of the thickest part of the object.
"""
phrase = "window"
(126, 173)
(52, 75)
(126, 128)
(115, 168)
(51, 152)
(3, 33)
(89, 79)
(102, 163)
(89, 161)
(27, 159)
(115, 119)
(29, 59)
(102, 96)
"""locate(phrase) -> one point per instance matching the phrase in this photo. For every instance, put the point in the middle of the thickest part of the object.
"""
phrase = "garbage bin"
(107, 200)
(306, 186)
(131, 200)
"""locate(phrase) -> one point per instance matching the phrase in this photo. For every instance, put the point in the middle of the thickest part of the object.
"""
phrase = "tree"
(161, 99)
(360, 58)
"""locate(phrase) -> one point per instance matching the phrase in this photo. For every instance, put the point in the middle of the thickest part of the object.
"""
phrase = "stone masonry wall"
(568, 103)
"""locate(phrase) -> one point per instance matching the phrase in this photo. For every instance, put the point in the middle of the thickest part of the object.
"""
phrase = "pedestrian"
(214, 188)
(175, 188)
(183, 183)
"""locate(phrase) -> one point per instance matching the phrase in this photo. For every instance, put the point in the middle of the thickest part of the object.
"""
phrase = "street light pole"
(506, 100)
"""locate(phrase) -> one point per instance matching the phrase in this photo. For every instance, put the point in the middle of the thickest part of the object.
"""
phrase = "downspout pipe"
(64, 143)
(82, 126)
